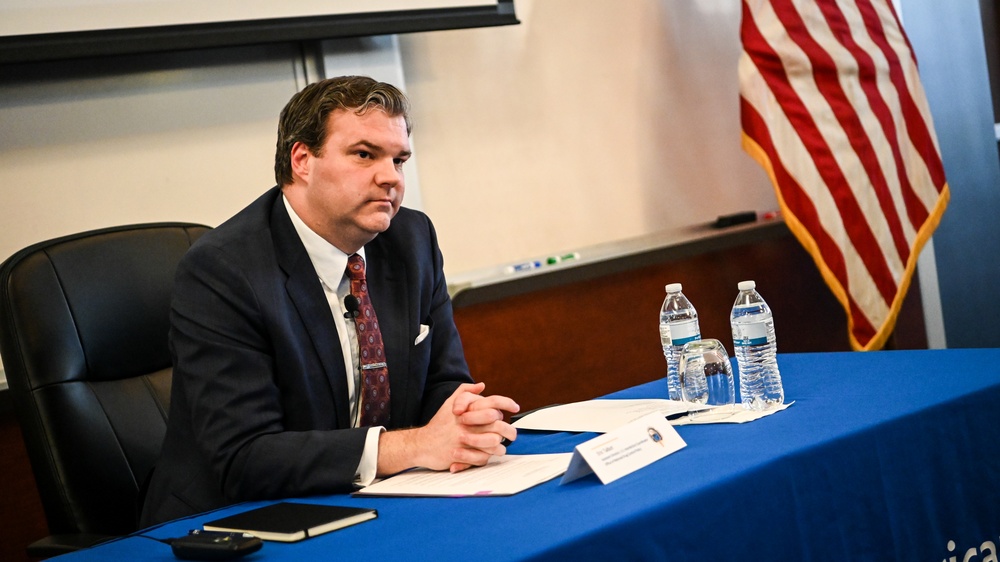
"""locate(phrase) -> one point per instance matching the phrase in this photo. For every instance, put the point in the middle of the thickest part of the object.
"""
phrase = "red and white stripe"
(832, 107)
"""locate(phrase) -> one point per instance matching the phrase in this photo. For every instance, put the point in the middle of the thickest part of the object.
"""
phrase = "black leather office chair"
(83, 337)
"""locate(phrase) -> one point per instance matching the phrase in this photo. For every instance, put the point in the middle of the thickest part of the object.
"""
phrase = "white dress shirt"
(331, 266)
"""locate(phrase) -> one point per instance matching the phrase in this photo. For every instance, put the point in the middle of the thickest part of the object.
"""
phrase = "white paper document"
(725, 414)
(501, 476)
(602, 415)
(624, 450)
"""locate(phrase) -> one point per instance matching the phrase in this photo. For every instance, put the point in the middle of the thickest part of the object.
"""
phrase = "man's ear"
(301, 158)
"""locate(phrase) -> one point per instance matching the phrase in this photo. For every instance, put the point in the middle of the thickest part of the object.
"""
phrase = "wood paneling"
(577, 341)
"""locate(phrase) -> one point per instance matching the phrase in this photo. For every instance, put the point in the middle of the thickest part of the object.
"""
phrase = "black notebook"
(290, 522)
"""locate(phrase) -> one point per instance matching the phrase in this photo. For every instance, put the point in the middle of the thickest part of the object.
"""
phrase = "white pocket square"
(424, 331)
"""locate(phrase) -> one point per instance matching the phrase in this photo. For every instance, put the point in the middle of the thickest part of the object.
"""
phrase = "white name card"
(624, 450)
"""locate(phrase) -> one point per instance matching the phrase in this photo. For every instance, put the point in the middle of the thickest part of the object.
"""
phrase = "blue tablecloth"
(883, 456)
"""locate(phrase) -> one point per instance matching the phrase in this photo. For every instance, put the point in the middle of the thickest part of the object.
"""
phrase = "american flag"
(832, 107)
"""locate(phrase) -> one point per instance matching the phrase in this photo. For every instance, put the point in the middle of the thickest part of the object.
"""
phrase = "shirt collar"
(328, 260)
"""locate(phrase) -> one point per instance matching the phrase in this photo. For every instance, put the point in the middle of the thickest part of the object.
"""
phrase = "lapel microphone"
(352, 303)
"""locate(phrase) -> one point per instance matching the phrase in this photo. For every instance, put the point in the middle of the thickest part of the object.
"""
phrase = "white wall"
(177, 137)
(186, 136)
(181, 137)
(592, 121)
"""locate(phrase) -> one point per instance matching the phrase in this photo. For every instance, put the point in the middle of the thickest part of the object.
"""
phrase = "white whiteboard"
(52, 30)
(33, 17)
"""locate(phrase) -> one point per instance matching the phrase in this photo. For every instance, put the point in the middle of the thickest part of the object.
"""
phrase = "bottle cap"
(747, 285)
(673, 288)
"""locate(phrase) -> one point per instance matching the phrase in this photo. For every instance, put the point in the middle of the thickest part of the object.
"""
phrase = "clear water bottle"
(678, 325)
(756, 348)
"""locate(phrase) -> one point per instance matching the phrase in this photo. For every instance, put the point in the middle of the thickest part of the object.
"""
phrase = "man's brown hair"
(304, 118)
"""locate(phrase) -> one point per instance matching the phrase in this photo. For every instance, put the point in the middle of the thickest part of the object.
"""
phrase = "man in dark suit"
(268, 394)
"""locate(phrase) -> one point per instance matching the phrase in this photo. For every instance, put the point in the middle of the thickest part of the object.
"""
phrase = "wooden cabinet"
(592, 330)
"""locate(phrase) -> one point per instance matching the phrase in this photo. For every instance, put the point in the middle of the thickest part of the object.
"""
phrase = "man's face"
(355, 188)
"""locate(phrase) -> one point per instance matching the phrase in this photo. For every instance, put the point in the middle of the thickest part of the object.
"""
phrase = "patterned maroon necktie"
(374, 373)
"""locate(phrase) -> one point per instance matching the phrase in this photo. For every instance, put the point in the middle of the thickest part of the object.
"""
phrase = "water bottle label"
(750, 334)
(683, 332)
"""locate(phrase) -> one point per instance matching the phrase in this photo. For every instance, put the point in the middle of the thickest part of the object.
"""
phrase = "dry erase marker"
(526, 266)
(553, 260)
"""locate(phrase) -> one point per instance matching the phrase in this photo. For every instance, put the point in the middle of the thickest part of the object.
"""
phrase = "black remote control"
(213, 545)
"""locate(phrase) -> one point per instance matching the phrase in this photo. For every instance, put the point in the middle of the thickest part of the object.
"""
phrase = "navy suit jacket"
(259, 406)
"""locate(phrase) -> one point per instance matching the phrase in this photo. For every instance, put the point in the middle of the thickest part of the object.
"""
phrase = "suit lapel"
(306, 294)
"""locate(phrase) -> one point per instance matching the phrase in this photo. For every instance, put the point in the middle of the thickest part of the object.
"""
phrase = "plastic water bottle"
(678, 325)
(755, 346)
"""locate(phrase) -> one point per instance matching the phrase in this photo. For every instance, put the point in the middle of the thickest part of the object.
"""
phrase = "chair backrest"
(83, 337)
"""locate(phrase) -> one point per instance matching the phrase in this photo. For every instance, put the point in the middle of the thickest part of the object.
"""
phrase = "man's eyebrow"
(372, 147)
